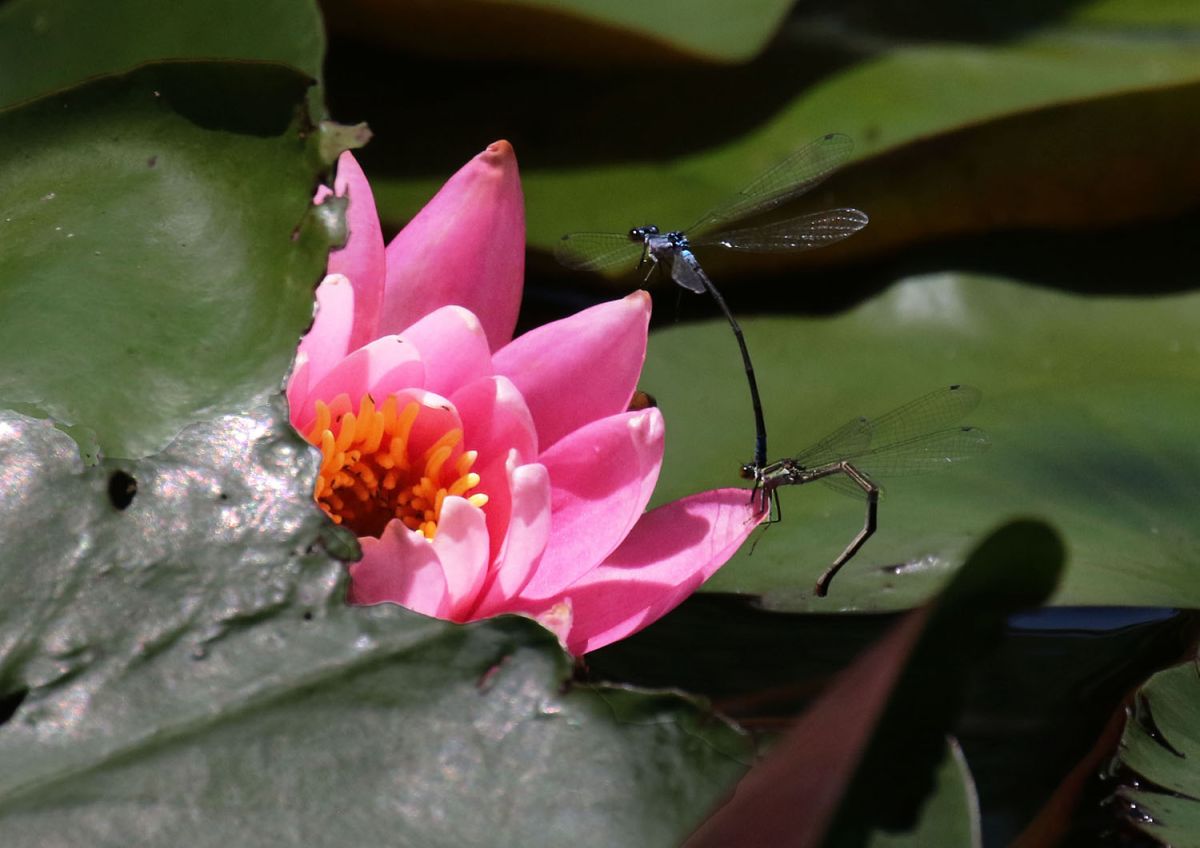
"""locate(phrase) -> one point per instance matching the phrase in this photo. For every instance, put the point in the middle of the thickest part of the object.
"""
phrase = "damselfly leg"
(913, 439)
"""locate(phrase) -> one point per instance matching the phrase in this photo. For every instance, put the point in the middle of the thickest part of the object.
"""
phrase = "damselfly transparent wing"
(851, 439)
(915, 438)
(803, 232)
(686, 271)
(918, 455)
(798, 173)
(597, 251)
(928, 413)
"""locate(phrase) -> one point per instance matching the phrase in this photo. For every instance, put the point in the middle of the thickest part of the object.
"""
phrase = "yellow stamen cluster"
(368, 476)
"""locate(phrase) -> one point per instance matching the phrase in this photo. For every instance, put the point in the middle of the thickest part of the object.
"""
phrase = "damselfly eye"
(748, 471)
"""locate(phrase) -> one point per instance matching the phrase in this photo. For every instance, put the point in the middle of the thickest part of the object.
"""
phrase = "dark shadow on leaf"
(825, 783)
(11, 702)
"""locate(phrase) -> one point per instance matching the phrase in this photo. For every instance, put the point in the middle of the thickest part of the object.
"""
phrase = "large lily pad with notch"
(51, 44)
(160, 247)
(1089, 403)
(178, 666)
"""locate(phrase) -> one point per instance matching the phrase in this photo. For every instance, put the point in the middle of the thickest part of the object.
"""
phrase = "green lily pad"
(161, 247)
(573, 31)
(51, 44)
(1157, 757)
(1089, 402)
(181, 667)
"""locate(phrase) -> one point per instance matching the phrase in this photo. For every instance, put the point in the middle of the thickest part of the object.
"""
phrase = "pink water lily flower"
(485, 474)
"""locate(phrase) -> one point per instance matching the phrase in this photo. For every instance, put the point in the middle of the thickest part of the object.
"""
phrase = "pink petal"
(494, 482)
(383, 367)
(496, 422)
(528, 531)
(402, 568)
(437, 417)
(580, 369)
(362, 258)
(452, 346)
(461, 543)
(466, 247)
(496, 419)
(601, 477)
(328, 340)
(669, 554)
(297, 388)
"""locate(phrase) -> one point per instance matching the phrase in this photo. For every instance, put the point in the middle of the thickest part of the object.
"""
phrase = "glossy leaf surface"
(178, 666)
(161, 247)
(1160, 795)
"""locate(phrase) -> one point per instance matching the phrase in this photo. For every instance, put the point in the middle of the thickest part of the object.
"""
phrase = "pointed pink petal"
(580, 369)
(402, 568)
(453, 347)
(601, 477)
(361, 259)
(383, 367)
(670, 552)
(461, 544)
(528, 531)
(328, 340)
(466, 247)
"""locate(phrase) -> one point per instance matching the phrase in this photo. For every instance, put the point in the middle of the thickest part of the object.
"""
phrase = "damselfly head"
(643, 233)
(749, 471)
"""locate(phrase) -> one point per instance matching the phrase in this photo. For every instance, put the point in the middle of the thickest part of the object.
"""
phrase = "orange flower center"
(370, 473)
